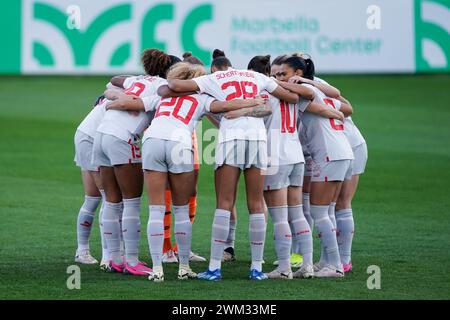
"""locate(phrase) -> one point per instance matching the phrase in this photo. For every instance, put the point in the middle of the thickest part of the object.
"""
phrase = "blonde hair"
(185, 71)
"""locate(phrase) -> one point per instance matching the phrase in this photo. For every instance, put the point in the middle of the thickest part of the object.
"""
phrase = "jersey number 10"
(286, 124)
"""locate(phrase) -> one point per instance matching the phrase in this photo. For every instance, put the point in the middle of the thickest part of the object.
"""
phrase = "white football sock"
(219, 235)
(346, 229)
(105, 253)
(327, 234)
(85, 220)
(231, 234)
(183, 233)
(257, 235)
(111, 227)
(302, 233)
(155, 233)
(306, 211)
(131, 229)
(282, 236)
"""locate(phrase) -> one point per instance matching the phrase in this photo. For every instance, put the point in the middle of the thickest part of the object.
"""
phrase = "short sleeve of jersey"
(268, 84)
(151, 102)
(203, 83)
(128, 81)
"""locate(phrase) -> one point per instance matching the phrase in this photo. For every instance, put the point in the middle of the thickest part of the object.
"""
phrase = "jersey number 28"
(240, 89)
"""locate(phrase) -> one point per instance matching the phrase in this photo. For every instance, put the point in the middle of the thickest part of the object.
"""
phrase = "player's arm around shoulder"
(325, 112)
(236, 104)
(303, 91)
(259, 111)
(344, 106)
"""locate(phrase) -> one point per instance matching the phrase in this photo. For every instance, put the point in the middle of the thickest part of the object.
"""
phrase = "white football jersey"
(283, 144)
(237, 84)
(126, 125)
(175, 118)
(302, 136)
(325, 137)
(91, 122)
(93, 119)
(351, 131)
(354, 136)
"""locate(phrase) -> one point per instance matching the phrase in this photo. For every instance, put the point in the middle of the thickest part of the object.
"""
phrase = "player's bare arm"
(285, 95)
(119, 80)
(346, 107)
(303, 91)
(329, 90)
(259, 111)
(325, 112)
(183, 85)
(165, 92)
(236, 104)
(112, 94)
(125, 102)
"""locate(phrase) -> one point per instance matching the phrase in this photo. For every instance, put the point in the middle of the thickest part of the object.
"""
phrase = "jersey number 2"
(338, 127)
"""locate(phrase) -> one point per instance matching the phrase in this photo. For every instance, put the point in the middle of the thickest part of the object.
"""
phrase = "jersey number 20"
(174, 106)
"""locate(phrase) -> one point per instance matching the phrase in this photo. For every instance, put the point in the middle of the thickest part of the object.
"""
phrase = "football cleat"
(169, 257)
(185, 272)
(257, 275)
(296, 260)
(348, 267)
(104, 264)
(84, 257)
(228, 255)
(157, 275)
(193, 257)
(306, 271)
(319, 265)
(114, 267)
(209, 275)
(329, 271)
(278, 274)
(141, 269)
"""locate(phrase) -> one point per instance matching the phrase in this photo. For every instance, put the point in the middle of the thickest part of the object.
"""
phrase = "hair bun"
(218, 53)
(187, 54)
(266, 59)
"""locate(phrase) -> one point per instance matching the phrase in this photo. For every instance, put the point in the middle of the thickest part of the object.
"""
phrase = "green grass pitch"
(401, 210)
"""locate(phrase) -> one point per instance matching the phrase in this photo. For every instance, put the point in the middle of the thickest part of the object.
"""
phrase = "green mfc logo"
(432, 35)
(104, 36)
(107, 36)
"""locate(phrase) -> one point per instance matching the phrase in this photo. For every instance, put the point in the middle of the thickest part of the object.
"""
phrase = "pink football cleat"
(114, 267)
(348, 267)
(141, 269)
